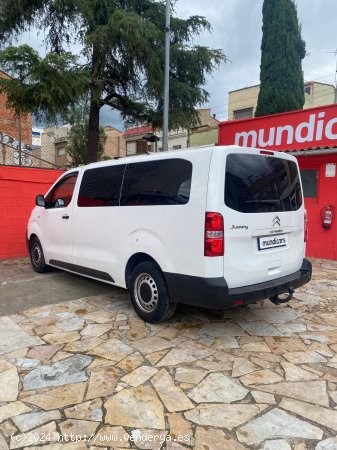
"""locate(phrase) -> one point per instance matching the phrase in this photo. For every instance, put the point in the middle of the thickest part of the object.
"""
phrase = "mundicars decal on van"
(266, 242)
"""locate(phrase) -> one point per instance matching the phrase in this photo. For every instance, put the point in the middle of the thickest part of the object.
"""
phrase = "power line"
(256, 85)
(335, 53)
(253, 99)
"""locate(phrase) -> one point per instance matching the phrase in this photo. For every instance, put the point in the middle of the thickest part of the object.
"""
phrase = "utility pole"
(166, 77)
(335, 53)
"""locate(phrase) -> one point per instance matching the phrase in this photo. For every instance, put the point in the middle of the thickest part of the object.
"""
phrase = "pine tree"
(281, 76)
(122, 58)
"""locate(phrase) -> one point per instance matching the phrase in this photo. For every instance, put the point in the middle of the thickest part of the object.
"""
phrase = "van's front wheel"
(149, 294)
(37, 256)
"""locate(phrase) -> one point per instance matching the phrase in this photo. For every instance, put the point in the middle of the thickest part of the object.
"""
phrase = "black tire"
(149, 294)
(37, 256)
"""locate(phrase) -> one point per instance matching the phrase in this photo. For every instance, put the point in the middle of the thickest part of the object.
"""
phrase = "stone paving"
(89, 374)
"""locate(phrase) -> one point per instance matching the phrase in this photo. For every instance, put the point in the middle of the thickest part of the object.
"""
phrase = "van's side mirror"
(59, 203)
(40, 201)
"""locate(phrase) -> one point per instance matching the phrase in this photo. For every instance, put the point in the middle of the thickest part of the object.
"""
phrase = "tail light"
(214, 234)
(305, 226)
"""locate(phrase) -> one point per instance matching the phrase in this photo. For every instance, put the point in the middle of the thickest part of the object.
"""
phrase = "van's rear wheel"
(37, 256)
(149, 294)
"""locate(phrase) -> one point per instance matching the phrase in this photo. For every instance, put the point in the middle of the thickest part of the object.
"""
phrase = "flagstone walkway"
(89, 374)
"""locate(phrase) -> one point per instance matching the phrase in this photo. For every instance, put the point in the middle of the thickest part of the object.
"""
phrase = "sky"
(237, 30)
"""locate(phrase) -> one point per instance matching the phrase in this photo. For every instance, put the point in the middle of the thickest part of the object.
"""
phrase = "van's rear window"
(259, 183)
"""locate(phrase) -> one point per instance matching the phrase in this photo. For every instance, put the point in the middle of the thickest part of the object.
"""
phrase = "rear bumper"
(214, 292)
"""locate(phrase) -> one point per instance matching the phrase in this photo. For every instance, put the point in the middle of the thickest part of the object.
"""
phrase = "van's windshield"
(259, 183)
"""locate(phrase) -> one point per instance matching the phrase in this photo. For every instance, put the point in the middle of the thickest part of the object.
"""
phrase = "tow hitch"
(277, 300)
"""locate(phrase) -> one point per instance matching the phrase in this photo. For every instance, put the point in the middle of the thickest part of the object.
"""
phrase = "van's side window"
(165, 182)
(101, 186)
(61, 194)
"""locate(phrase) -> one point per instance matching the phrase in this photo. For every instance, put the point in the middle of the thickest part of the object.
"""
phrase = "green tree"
(78, 118)
(281, 76)
(123, 56)
(43, 86)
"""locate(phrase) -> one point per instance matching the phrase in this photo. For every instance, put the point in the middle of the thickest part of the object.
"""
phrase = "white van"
(213, 227)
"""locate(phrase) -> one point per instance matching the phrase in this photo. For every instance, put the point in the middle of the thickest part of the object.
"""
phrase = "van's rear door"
(263, 216)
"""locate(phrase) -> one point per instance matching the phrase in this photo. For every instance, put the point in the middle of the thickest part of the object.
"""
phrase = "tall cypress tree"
(281, 77)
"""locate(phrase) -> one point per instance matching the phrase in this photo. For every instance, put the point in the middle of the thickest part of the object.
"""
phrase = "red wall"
(321, 243)
(18, 188)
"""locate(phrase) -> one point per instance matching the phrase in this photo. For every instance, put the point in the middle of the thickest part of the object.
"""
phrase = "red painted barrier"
(18, 188)
(322, 243)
